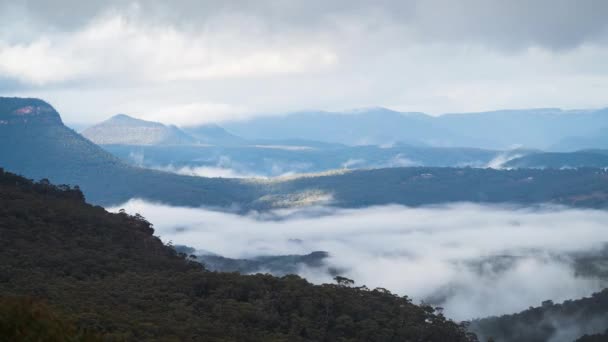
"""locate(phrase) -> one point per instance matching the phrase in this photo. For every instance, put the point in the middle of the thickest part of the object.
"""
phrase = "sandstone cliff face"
(27, 111)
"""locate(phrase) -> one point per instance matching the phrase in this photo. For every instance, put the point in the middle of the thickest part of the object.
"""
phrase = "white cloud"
(118, 46)
(39, 63)
(423, 252)
(195, 113)
(204, 61)
(208, 171)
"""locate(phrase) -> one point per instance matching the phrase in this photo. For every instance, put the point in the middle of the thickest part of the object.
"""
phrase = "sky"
(188, 62)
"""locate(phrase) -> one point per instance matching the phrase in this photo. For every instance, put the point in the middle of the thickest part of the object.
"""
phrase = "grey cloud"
(208, 59)
(555, 24)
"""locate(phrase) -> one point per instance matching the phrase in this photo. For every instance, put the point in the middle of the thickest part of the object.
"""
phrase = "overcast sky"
(190, 61)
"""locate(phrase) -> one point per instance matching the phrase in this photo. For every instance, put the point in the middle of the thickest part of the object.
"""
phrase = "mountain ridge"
(124, 129)
(501, 129)
(108, 274)
(58, 153)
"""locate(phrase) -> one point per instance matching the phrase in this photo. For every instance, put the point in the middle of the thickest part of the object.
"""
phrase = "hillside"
(415, 186)
(550, 322)
(123, 129)
(274, 159)
(558, 160)
(107, 274)
(42, 147)
(36, 144)
(597, 139)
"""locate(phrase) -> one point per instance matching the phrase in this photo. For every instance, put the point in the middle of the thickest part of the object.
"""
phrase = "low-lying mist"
(207, 171)
(473, 260)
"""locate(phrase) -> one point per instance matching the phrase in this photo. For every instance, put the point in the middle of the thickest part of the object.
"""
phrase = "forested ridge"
(36, 144)
(74, 270)
(585, 318)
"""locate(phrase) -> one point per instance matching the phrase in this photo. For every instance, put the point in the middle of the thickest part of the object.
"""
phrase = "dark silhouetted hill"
(108, 275)
(550, 322)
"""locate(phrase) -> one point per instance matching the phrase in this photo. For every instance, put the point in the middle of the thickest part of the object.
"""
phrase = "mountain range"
(549, 129)
(108, 274)
(35, 143)
(210, 150)
(530, 128)
(125, 130)
(73, 271)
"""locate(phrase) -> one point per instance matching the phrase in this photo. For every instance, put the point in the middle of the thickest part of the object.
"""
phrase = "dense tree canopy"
(107, 275)
(550, 322)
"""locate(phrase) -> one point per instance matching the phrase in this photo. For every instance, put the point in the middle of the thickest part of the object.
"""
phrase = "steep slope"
(123, 129)
(35, 143)
(109, 275)
(549, 322)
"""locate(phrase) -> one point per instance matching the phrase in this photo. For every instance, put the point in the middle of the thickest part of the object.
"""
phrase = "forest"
(76, 272)
(565, 321)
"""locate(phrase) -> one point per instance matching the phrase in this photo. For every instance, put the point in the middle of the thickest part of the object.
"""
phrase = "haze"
(472, 260)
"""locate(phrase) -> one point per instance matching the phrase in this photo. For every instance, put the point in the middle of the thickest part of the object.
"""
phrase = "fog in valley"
(472, 260)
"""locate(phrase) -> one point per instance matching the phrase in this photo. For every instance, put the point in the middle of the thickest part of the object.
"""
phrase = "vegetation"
(40, 148)
(108, 275)
(558, 160)
(275, 264)
(274, 158)
(594, 338)
(550, 322)
(426, 185)
(26, 319)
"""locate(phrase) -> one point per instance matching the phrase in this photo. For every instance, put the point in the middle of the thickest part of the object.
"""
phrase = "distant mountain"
(416, 186)
(532, 128)
(35, 143)
(213, 135)
(377, 126)
(123, 129)
(598, 139)
(276, 158)
(559, 160)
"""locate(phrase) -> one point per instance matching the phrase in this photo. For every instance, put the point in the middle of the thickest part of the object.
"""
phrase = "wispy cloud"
(473, 260)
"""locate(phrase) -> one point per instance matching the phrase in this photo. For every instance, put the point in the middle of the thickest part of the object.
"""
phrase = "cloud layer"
(473, 260)
(207, 61)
